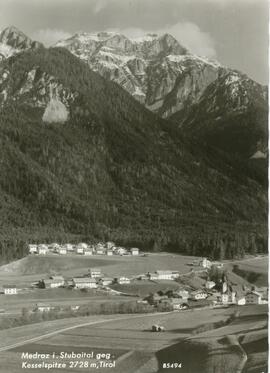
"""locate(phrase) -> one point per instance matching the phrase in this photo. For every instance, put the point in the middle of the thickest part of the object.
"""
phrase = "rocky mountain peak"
(15, 38)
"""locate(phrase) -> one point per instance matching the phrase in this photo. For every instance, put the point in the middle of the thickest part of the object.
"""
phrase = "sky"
(234, 32)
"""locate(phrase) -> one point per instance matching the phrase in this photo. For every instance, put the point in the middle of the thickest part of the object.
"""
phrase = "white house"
(42, 249)
(62, 250)
(241, 301)
(69, 247)
(84, 282)
(109, 252)
(95, 272)
(167, 275)
(198, 294)
(134, 251)
(205, 263)
(210, 285)
(153, 276)
(32, 249)
(105, 281)
(253, 297)
(10, 289)
(88, 251)
(100, 250)
(121, 251)
(123, 280)
(224, 298)
(80, 249)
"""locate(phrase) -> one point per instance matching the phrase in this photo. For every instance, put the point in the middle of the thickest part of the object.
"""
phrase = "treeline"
(106, 308)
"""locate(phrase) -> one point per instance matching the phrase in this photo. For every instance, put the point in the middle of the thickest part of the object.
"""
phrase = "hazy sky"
(235, 32)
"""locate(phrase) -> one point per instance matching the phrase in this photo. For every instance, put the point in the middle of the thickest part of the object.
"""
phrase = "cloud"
(193, 38)
(50, 36)
(188, 35)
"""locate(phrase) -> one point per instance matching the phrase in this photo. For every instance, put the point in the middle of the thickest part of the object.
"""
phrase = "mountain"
(156, 70)
(99, 165)
(13, 41)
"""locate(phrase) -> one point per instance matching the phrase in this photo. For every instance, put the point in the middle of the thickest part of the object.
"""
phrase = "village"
(214, 290)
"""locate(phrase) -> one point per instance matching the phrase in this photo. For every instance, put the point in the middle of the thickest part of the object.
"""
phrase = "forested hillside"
(113, 171)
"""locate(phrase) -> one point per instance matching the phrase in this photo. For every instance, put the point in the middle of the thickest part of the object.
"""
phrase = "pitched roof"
(84, 279)
(9, 286)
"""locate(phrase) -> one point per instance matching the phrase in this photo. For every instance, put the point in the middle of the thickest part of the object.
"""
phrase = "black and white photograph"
(134, 186)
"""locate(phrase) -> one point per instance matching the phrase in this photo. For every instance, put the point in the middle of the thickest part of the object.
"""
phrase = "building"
(10, 289)
(152, 276)
(205, 263)
(134, 251)
(54, 247)
(62, 250)
(32, 249)
(109, 252)
(184, 294)
(224, 298)
(177, 304)
(120, 251)
(217, 264)
(100, 250)
(84, 283)
(123, 280)
(53, 282)
(198, 294)
(210, 285)
(79, 250)
(253, 297)
(167, 275)
(88, 251)
(69, 247)
(105, 281)
(95, 272)
(241, 300)
(42, 249)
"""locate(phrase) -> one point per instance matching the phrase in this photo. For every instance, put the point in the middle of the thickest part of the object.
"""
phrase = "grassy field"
(143, 288)
(224, 350)
(253, 270)
(129, 340)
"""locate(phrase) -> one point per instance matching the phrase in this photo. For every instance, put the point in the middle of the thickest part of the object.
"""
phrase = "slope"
(113, 170)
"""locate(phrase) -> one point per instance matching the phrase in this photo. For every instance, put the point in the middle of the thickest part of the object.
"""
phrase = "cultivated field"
(129, 339)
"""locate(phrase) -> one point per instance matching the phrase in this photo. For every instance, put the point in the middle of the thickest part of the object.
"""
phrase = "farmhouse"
(32, 249)
(62, 250)
(134, 251)
(123, 280)
(121, 251)
(84, 282)
(205, 263)
(177, 304)
(53, 282)
(105, 281)
(42, 249)
(167, 275)
(81, 247)
(109, 252)
(210, 285)
(95, 272)
(198, 294)
(253, 297)
(10, 289)
(152, 276)
(100, 250)
(69, 247)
